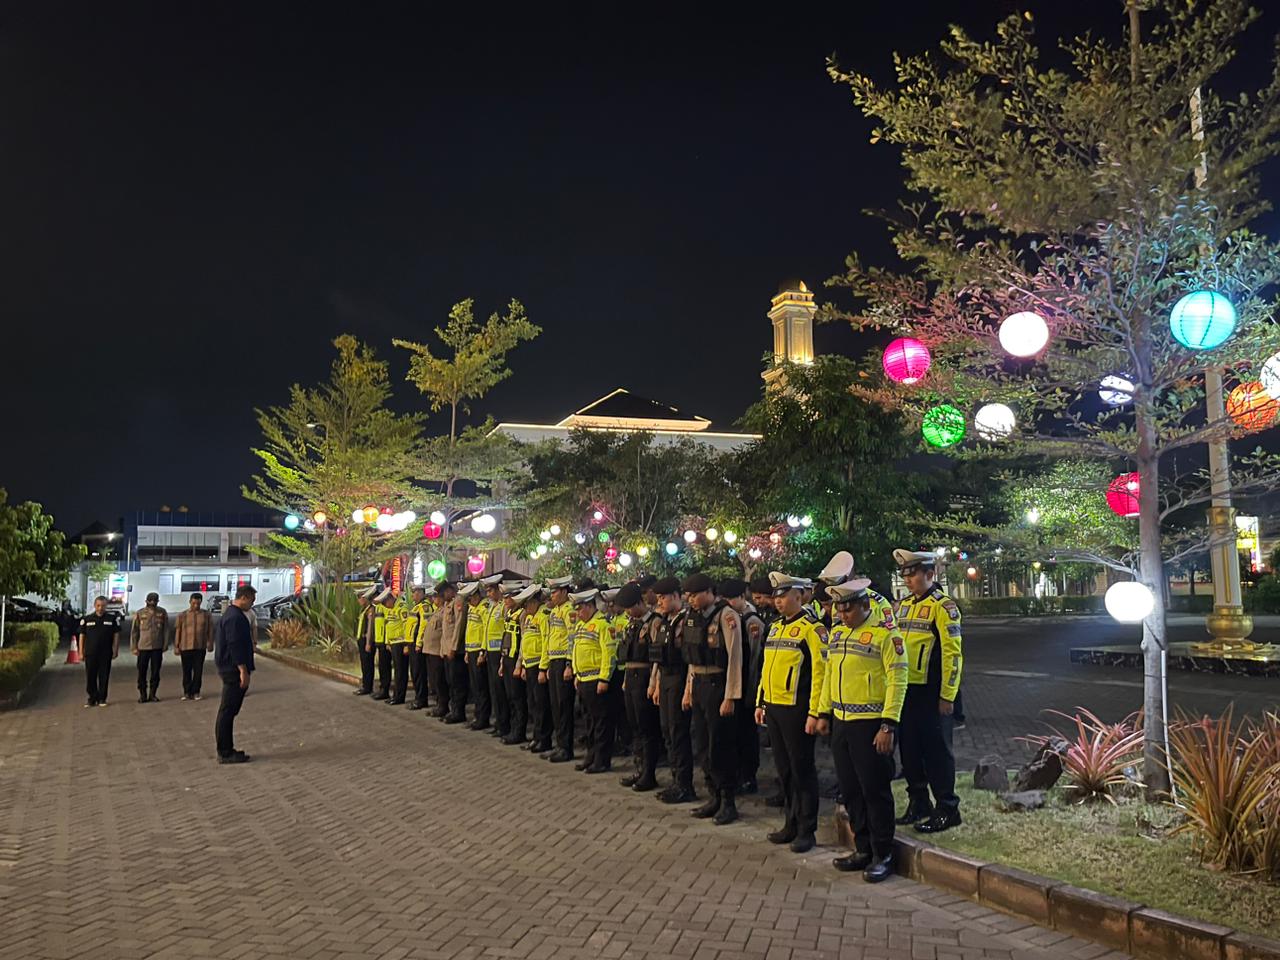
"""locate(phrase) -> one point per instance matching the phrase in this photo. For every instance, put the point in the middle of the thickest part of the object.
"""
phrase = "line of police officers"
(693, 669)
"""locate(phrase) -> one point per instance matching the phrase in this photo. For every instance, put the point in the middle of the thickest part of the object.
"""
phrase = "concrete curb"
(330, 673)
(1115, 923)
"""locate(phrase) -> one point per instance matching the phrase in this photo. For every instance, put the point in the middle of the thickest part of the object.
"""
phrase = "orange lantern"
(1251, 407)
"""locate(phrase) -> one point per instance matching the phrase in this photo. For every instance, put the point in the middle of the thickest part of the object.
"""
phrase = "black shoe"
(415, 706)
(785, 835)
(235, 758)
(728, 813)
(941, 820)
(477, 725)
(776, 801)
(496, 732)
(451, 718)
(958, 725)
(395, 703)
(142, 698)
(880, 870)
(644, 785)
(380, 696)
(913, 815)
(598, 768)
(708, 809)
(153, 698)
(853, 862)
(440, 712)
(630, 780)
(749, 786)
(582, 764)
(539, 746)
(674, 794)
(91, 703)
(361, 693)
(241, 753)
(803, 843)
(560, 756)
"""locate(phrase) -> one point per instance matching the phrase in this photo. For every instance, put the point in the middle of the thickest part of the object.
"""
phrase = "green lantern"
(603, 537)
(943, 426)
(436, 569)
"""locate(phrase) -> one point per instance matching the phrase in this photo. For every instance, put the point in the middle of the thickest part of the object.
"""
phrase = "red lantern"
(611, 554)
(906, 360)
(1122, 495)
(1251, 407)
(432, 531)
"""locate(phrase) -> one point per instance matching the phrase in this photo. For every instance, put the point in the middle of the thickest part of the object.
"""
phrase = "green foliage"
(19, 664)
(288, 633)
(1100, 757)
(34, 557)
(329, 611)
(97, 571)
(1029, 606)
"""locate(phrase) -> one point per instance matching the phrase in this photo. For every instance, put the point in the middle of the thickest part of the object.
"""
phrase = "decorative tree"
(336, 448)
(34, 557)
(1092, 199)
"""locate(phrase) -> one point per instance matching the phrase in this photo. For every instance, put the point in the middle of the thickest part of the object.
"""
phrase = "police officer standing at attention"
(192, 639)
(365, 639)
(712, 642)
(512, 675)
(734, 593)
(100, 644)
(148, 637)
(667, 682)
(929, 621)
(494, 627)
(642, 713)
(401, 622)
(593, 660)
(384, 604)
(415, 629)
(555, 670)
(787, 702)
(438, 650)
(477, 676)
(866, 680)
(533, 640)
(453, 641)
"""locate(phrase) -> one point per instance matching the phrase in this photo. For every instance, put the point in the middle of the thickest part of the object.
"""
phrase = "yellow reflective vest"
(474, 638)
(416, 630)
(866, 675)
(494, 625)
(594, 650)
(399, 622)
(379, 624)
(928, 623)
(511, 633)
(559, 620)
(794, 662)
(533, 637)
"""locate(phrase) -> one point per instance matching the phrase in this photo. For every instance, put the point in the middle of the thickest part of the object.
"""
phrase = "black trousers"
(149, 660)
(418, 674)
(748, 736)
(224, 726)
(865, 783)
(517, 698)
(384, 669)
(455, 668)
(562, 697)
(192, 671)
(793, 757)
(366, 665)
(97, 671)
(399, 653)
(437, 683)
(676, 726)
(602, 710)
(642, 717)
(925, 744)
(498, 692)
(478, 675)
(715, 741)
(538, 702)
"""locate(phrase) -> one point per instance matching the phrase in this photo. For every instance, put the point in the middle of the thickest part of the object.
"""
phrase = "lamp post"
(1228, 624)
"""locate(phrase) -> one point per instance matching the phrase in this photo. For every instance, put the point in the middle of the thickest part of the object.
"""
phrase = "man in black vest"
(666, 688)
(100, 644)
(642, 715)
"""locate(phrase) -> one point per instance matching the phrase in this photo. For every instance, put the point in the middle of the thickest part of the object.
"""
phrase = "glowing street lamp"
(1129, 601)
(1024, 334)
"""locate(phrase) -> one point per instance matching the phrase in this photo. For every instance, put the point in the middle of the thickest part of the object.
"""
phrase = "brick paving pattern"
(363, 831)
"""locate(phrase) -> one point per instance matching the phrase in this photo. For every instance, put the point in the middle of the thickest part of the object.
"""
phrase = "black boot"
(803, 843)
(708, 809)
(644, 784)
(881, 869)
(785, 835)
(677, 794)
(853, 862)
(728, 811)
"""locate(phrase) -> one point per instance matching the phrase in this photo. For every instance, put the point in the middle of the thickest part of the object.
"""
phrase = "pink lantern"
(611, 553)
(432, 531)
(1122, 495)
(906, 360)
(475, 564)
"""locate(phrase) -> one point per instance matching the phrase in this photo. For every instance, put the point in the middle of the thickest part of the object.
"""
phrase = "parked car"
(24, 611)
(275, 608)
(217, 603)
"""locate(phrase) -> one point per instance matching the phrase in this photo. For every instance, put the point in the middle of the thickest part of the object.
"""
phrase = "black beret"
(667, 585)
(443, 585)
(628, 596)
(647, 582)
(732, 588)
(697, 582)
(762, 585)
(585, 584)
(820, 592)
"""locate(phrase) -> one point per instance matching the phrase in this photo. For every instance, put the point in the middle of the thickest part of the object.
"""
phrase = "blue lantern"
(672, 549)
(1203, 320)
(291, 522)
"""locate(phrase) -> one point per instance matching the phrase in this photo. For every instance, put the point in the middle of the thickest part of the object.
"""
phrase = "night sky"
(197, 197)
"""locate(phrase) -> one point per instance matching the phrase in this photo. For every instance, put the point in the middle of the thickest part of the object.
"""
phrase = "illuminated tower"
(792, 313)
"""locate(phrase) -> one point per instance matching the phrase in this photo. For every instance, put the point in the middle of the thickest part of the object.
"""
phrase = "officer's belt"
(700, 671)
(639, 665)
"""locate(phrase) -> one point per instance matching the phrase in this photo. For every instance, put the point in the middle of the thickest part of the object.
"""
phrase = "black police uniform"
(642, 715)
(745, 714)
(714, 737)
(98, 633)
(665, 651)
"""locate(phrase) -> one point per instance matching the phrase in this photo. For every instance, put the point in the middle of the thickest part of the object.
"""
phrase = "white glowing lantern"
(385, 522)
(793, 521)
(307, 574)
(690, 536)
(807, 520)
(1129, 602)
(730, 537)
(544, 536)
(1270, 377)
(485, 523)
(1116, 390)
(713, 533)
(755, 553)
(642, 551)
(357, 515)
(597, 516)
(1024, 334)
(417, 568)
(1033, 516)
(624, 559)
(438, 517)
(540, 550)
(994, 421)
(554, 529)
(579, 538)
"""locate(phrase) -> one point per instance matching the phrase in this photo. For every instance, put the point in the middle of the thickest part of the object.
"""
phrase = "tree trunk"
(1155, 771)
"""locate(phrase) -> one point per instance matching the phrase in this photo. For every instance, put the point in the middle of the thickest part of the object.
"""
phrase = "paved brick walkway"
(362, 830)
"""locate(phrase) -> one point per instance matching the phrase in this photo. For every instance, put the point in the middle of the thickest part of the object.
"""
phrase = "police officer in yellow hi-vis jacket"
(494, 627)
(383, 604)
(555, 670)
(400, 623)
(929, 621)
(787, 703)
(421, 612)
(534, 626)
(861, 701)
(593, 654)
(512, 676)
(477, 677)
(364, 639)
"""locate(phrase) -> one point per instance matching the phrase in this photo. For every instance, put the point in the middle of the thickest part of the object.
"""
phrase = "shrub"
(288, 633)
(19, 664)
(41, 633)
(337, 648)
(1099, 757)
(1228, 782)
(329, 610)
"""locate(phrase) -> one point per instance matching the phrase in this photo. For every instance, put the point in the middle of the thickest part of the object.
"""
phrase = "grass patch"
(1121, 850)
(312, 654)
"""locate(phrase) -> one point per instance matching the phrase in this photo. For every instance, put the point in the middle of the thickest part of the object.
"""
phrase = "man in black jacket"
(233, 659)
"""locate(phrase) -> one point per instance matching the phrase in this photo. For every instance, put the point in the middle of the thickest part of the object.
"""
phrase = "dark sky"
(195, 198)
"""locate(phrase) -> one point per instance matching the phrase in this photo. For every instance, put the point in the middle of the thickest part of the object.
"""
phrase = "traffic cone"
(73, 652)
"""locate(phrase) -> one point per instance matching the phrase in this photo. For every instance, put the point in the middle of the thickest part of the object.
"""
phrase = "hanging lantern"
(554, 529)
(579, 538)
(341, 531)
(806, 521)
(319, 518)
(729, 537)
(994, 421)
(611, 553)
(690, 536)
(597, 516)
(624, 559)
(775, 538)
(603, 536)
(384, 522)
(540, 550)
(642, 551)
(291, 522)
(1122, 495)
(544, 536)
(1271, 376)
(713, 533)
(371, 514)
(436, 569)
(672, 549)
(475, 564)
(1024, 334)
(357, 515)
(387, 510)
(793, 520)
(484, 523)
(432, 530)
(943, 426)
(906, 360)
(972, 572)
(1129, 601)
(437, 517)
(1252, 407)
(1202, 320)
(755, 553)
(1115, 390)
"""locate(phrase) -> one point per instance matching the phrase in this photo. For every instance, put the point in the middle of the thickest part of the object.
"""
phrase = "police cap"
(559, 583)
(609, 595)
(468, 588)
(386, 594)
(781, 583)
(442, 586)
(491, 581)
(584, 596)
(697, 582)
(533, 591)
(910, 559)
(838, 568)
(647, 582)
(369, 592)
(851, 591)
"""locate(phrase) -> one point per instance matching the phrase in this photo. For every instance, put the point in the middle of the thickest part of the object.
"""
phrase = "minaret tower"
(792, 313)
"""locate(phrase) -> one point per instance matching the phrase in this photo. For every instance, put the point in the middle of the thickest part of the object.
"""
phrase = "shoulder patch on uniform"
(897, 644)
(865, 636)
(951, 608)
